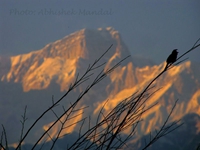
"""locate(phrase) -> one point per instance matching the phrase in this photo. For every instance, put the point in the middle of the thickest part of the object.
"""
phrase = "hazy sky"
(149, 28)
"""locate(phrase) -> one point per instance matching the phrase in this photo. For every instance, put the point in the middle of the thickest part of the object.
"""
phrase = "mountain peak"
(37, 69)
(83, 43)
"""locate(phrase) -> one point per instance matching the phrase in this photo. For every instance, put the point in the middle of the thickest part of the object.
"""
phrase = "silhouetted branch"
(192, 48)
(135, 105)
(2, 136)
(164, 130)
(107, 131)
(198, 147)
(77, 82)
(5, 139)
(23, 124)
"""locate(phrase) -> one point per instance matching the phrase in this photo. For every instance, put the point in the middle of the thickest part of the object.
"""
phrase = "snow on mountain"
(59, 60)
(31, 79)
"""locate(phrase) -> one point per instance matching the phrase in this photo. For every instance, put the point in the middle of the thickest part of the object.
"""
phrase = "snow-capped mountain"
(31, 79)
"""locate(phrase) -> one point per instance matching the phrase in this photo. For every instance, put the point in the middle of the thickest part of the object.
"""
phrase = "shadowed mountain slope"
(31, 79)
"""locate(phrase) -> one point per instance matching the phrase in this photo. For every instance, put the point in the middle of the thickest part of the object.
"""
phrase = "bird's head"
(175, 51)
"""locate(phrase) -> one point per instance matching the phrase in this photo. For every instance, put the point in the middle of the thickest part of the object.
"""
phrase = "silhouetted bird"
(172, 58)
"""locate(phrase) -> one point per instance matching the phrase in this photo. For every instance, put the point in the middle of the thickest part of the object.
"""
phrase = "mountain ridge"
(51, 69)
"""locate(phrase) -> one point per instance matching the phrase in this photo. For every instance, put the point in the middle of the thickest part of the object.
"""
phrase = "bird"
(171, 58)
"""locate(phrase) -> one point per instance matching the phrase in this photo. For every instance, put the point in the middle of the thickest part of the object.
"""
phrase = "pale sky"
(150, 29)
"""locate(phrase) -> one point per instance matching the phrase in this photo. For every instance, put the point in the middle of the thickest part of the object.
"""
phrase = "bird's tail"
(166, 67)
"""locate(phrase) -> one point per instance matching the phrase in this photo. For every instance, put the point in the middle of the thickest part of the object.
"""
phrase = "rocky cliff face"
(59, 61)
(30, 79)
